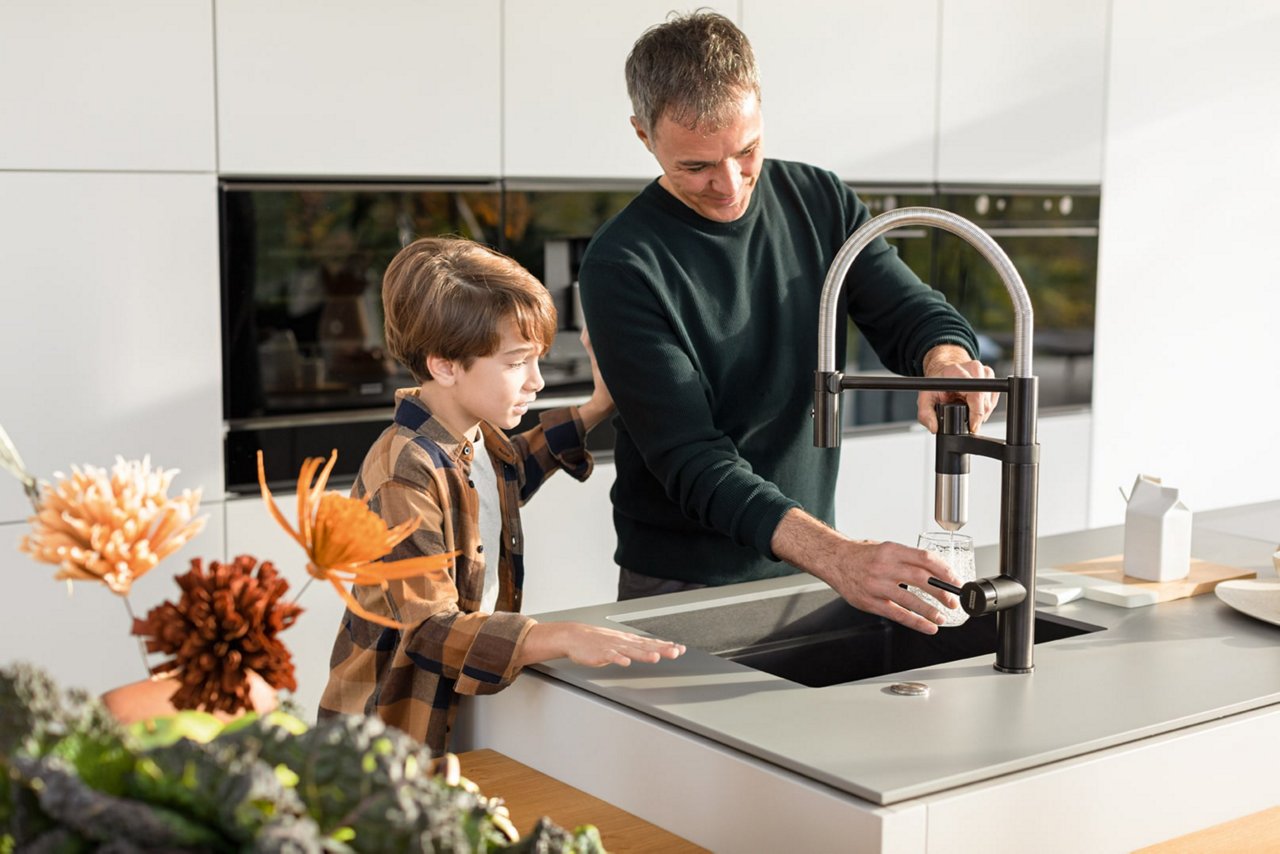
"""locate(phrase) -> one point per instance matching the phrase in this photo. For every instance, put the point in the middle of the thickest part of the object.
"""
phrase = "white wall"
(1189, 267)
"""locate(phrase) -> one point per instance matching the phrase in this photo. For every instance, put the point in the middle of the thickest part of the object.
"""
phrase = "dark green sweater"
(707, 336)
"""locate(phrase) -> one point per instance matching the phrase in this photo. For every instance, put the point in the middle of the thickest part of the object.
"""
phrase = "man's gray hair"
(693, 68)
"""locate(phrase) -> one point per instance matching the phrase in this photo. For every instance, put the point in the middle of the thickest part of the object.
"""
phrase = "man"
(702, 300)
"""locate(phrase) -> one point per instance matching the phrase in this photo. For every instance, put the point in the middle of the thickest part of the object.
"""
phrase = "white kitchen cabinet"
(1023, 89)
(111, 341)
(566, 112)
(849, 85)
(885, 487)
(121, 85)
(383, 88)
(83, 638)
(1063, 503)
(569, 543)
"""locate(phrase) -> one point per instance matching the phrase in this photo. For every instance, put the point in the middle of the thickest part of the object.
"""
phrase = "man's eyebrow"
(750, 145)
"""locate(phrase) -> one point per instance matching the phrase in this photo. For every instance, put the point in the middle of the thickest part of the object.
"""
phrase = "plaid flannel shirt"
(413, 678)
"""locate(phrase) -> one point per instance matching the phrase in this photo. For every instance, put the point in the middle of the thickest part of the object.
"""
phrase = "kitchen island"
(1164, 721)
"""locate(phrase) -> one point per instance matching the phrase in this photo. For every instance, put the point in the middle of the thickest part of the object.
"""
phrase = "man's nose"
(728, 177)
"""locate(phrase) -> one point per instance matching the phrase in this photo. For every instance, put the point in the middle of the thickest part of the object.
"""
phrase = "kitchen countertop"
(1153, 670)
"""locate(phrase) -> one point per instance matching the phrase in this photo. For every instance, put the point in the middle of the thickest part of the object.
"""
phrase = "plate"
(1258, 599)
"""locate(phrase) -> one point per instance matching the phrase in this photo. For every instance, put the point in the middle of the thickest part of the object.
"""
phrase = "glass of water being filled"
(957, 551)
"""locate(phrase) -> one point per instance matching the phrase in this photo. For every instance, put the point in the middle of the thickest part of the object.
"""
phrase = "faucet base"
(1013, 669)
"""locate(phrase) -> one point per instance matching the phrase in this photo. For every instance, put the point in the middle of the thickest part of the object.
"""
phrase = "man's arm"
(867, 574)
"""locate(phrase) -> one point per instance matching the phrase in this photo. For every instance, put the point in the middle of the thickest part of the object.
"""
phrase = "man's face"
(713, 172)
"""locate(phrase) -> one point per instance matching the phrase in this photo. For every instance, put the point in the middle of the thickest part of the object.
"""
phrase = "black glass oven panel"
(1052, 239)
(302, 278)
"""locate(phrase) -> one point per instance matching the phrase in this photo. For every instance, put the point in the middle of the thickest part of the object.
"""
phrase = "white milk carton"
(1157, 532)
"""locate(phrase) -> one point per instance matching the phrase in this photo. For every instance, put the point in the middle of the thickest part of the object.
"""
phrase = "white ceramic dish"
(1258, 599)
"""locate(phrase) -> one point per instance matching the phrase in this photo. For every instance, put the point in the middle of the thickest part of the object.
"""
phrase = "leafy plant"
(73, 779)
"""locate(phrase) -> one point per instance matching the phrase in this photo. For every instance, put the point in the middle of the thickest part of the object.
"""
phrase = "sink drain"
(909, 689)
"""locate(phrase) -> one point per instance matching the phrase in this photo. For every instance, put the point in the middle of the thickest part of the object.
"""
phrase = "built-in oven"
(305, 369)
(1051, 236)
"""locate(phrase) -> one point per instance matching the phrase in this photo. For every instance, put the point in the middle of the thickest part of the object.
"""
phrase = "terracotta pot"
(150, 698)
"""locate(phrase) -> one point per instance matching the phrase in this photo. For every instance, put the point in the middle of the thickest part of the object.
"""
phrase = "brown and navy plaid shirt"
(413, 678)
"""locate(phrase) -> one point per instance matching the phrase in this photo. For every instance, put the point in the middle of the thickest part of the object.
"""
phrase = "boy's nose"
(534, 382)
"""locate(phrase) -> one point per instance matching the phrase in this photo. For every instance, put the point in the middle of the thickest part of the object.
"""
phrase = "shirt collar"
(412, 413)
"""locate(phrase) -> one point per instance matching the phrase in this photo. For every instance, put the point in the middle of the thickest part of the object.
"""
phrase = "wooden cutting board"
(1103, 580)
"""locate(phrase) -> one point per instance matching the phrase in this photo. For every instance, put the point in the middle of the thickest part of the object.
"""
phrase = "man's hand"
(949, 360)
(867, 574)
(593, 646)
(600, 406)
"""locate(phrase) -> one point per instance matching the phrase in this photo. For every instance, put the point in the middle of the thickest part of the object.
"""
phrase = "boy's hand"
(593, 646)
(600, 406)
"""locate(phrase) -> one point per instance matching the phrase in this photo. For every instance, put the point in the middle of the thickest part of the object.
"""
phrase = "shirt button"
(466, 451)
(479, 549)
(513, 539)
(471, 483)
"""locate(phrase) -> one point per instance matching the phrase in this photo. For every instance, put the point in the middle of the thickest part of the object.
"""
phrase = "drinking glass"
(957, 551)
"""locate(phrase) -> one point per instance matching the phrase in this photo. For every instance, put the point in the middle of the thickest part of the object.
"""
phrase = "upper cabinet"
(125, 85)
(566, 109)
(849, 85)
(387, 88)
(111, 341)
(1022, 93)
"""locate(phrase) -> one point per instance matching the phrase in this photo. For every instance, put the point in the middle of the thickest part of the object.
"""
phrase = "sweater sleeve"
(664, 402)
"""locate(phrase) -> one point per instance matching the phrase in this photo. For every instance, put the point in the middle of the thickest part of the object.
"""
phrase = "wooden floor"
(530, 794)
(1253, 834)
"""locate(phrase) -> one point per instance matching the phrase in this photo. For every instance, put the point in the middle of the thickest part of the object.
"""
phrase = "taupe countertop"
(1152, 670)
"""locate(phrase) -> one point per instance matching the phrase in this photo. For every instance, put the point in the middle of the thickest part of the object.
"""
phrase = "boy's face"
(500, 387)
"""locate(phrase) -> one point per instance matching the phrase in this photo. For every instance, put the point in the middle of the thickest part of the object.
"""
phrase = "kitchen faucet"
(1011, 595)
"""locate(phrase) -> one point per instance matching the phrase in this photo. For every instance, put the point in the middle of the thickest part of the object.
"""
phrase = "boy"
(470, 324)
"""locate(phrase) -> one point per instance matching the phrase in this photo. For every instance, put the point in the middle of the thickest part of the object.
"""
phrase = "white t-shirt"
(486, 484)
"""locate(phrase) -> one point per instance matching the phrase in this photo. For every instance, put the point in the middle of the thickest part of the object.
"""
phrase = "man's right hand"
(867, 574)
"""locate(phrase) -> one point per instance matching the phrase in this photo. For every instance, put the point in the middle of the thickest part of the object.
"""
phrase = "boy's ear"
(442, 370)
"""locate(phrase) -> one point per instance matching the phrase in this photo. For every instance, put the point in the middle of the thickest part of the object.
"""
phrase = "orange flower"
(112, 527)
(345, 541)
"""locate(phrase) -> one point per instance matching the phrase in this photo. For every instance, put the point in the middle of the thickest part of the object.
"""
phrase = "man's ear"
(644, 137)
(442, 370)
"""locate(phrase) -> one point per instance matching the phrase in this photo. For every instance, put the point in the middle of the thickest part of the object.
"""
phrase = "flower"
(345, 541)
(112, 529)
(225, 625)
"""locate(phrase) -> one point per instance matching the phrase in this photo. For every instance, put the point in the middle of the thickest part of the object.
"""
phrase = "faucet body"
(1011, 596)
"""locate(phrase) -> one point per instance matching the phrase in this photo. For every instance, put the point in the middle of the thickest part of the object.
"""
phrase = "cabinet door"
(569, 543)
(1063, 495)
(566, 112)
(1023, 91)
(849, 85)
(885, 484)
(111, 341)
(122, 85)
(380, 88)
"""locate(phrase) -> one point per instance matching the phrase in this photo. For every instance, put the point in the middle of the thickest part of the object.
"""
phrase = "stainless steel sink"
(815, 638)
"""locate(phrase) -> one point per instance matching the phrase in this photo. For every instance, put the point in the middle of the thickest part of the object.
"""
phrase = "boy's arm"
(480, 651)
(558, 442)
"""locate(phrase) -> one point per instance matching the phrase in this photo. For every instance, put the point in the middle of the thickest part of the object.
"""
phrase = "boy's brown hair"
(449, 297)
